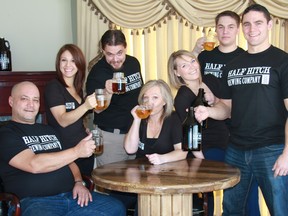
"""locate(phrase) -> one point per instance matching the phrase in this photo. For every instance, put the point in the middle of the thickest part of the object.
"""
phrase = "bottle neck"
(201, 92)
(191, 112)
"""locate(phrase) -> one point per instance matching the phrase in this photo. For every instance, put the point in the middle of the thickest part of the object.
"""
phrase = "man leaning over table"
(116, 119)
(33, 166)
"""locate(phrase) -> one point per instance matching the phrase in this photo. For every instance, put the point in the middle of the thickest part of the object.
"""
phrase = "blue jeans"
(64, 204)
(257, 164)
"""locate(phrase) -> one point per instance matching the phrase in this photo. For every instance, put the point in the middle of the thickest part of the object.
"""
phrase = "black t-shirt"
(216, 134)
(257, 84)
(211, 62)
(117, 115)
(56, 94)
(16, 137)
(171, 134)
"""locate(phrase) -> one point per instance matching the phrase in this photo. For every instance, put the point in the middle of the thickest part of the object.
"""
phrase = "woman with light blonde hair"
(185, 75)
(159, 136)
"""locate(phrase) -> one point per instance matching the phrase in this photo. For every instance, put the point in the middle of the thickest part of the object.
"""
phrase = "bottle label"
(195, 137)
(141, 145)
(4, 61)
(192, 138)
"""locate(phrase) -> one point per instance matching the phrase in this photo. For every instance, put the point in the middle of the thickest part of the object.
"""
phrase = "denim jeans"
(64, 204)
(252, 208)
(257, 164)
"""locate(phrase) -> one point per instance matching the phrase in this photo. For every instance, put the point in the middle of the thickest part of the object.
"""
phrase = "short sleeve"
(11, 144)
(54, 95)
(183, 101)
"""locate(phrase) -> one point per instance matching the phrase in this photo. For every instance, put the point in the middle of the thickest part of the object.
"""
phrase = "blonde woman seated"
(159, 136)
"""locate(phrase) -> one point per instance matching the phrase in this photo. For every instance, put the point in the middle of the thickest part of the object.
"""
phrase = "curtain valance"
(141, 14)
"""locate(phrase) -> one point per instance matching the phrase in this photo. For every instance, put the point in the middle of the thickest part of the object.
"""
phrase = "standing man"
(227, 28)
(35, 168)
(255, 94)
(116, 119)
(212, 62)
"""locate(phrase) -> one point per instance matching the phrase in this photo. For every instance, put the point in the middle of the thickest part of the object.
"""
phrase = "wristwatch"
(81, 181)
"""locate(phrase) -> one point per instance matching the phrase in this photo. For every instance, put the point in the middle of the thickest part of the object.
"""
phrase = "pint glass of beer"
(210, 41)
(102, 99)
(143, 111)
(118, 83)
(98, 138)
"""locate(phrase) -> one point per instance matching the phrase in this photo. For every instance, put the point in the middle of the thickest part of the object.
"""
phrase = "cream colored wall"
(36, 29)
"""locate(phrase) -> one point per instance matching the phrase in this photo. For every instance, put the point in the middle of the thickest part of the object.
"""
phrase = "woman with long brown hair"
(64, 101)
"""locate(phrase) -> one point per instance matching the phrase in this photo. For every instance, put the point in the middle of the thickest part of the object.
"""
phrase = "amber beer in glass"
(143, 111)
(118, 83)
(101, 98)
(210, 42)
(98, 138)
(209, 45)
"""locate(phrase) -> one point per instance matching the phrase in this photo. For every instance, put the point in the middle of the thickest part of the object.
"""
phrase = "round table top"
(185, 176)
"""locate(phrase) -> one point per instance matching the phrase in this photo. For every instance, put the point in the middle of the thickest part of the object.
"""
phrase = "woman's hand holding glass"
(90, 101)
(102, 99)
(142, 111)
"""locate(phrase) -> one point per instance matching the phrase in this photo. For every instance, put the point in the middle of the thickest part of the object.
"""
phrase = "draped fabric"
(156, 28)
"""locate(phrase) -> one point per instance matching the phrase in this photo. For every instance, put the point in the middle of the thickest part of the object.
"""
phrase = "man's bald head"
(25, 102)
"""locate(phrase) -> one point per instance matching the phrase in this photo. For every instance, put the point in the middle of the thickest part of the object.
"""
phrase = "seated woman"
(159, 136)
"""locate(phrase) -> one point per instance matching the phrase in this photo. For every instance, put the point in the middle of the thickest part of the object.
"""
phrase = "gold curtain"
(156, 28)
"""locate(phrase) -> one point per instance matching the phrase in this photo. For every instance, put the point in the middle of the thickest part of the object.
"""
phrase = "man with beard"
(115, 120)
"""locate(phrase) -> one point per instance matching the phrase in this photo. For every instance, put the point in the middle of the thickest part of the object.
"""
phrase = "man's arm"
(198, 46)
(47, 162)
(280, 167)
(220, 111)
(79, 190)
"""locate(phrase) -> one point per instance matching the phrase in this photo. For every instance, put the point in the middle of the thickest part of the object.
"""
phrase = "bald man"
(35, 168)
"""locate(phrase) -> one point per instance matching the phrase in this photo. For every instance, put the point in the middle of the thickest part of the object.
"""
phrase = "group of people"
(246, 91)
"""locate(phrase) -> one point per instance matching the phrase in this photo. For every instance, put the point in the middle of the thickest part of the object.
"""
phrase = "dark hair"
(80, 63)
(259, 8)
(113, 38)
(229, 13)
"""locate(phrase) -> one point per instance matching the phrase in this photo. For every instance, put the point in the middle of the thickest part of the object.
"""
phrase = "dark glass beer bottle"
(200, 100)
(192, 133)
(5, 55)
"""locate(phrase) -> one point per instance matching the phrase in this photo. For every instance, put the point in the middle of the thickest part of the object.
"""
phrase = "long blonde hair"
(177, 81)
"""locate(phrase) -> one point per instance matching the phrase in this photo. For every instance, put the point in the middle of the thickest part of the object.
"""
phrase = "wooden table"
(166, 189)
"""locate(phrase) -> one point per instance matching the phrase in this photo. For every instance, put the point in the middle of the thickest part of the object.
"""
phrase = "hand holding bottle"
(210, 98)
(201, 113)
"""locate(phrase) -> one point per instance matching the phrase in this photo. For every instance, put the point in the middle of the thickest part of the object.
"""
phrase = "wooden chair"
(12, 200)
